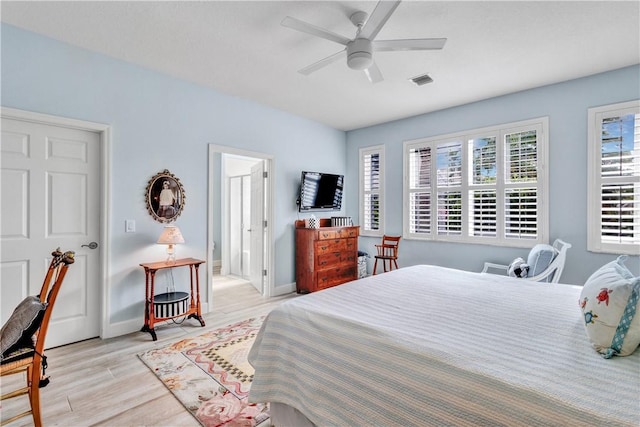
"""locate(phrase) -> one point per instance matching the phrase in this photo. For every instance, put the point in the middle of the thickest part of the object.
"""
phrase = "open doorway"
(239, 216)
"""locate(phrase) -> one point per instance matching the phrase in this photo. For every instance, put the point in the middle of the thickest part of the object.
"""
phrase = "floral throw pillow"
(610, 302)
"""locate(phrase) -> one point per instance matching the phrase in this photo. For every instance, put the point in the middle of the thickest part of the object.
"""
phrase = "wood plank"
(104, 383)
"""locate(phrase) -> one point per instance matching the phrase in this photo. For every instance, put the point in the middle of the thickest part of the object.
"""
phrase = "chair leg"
(396, 263)
(34, 393)
(375, 266)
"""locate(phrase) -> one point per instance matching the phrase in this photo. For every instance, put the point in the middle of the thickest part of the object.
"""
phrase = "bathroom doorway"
(239, 207)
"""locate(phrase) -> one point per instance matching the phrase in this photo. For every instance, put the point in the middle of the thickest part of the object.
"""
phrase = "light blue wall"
(566, 106)
(158, 123)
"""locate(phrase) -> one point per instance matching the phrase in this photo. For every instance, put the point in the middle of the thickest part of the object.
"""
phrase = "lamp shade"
(171, 235)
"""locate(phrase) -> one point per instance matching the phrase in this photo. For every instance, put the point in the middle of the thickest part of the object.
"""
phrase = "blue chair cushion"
(540, 257)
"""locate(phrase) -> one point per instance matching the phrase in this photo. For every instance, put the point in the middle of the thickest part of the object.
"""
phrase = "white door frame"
(105, 199)
(269, 260)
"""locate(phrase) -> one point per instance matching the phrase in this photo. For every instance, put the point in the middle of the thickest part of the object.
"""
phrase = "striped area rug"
(209, 374)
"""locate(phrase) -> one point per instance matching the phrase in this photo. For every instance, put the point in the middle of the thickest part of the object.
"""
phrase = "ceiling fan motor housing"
(359, 54)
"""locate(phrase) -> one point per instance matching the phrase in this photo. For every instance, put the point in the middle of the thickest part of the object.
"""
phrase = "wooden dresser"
(325, 256)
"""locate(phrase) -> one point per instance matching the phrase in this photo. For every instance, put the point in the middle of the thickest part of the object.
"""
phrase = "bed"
(433, 346)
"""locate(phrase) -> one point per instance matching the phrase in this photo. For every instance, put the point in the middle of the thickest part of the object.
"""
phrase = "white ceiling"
(240, 48)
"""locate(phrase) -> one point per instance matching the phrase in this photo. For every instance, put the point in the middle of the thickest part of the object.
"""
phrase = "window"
(614, 179)
(482, 186)
(372, 191)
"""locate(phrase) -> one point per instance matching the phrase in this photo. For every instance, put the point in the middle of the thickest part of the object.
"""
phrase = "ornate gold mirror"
(165, 197)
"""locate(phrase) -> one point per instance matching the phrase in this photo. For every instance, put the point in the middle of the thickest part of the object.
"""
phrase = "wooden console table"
(151, 299)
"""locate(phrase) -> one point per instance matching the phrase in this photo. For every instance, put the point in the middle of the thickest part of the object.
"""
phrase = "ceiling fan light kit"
(359, 55)
(360, 49)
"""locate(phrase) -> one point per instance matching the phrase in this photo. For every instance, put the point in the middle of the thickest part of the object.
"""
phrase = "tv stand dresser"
(325, 256)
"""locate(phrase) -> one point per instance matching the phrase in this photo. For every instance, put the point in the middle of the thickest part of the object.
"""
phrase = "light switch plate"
(129, 226)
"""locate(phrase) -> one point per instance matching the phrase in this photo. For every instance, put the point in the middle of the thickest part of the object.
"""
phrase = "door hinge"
(264, 273)
(265, 223)
(265, 174)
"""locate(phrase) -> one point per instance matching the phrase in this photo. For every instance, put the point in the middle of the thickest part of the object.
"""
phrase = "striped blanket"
(431, 346)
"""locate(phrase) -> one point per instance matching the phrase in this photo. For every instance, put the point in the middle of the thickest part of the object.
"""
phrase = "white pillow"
(610, 303)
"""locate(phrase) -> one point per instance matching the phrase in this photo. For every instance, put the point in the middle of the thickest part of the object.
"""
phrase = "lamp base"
(171, 255)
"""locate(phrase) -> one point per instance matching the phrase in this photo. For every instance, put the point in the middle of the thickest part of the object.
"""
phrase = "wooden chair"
(23, 337)
(387, 252)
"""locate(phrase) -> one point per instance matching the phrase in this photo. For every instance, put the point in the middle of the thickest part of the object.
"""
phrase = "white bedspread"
(427, 345)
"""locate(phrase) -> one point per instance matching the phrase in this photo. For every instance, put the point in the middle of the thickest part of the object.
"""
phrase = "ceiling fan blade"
(322, 63)
(373, 73)
(378, 18)
(305, 27)
(409, 44)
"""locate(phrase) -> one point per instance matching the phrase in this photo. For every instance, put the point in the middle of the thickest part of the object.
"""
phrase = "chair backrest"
(553, 272)
(53, 279)
(389, 246)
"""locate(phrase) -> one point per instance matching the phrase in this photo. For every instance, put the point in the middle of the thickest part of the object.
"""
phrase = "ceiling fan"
(359, 50)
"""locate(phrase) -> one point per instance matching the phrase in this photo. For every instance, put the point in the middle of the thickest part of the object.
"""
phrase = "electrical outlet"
(129, 226)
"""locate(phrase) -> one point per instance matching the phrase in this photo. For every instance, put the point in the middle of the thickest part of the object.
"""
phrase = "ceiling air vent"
(421, 80)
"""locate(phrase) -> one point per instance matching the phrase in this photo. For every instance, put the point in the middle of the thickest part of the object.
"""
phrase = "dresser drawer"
(336, 245)
(328, 234)
(328, 246)
(337, 233)
(351, 244)
(335, 276)
(347, 232)
(334, 259)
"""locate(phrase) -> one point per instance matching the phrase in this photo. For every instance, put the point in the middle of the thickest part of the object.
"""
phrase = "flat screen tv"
(320, 192)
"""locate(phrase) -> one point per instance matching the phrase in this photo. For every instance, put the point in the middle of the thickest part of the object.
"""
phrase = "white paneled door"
(50, 184)
(256, 269)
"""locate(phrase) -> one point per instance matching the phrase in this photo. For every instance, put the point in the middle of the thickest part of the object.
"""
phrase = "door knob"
(91, 245)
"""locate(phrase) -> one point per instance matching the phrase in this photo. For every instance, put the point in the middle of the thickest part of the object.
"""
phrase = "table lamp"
(170, 236)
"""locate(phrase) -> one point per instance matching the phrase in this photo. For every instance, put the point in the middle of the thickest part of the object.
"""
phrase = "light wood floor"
(103, 383)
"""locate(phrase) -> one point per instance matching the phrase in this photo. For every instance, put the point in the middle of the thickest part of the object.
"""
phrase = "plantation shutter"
(372, 190)
(620, 179)
(371, 171)
(483, 194)
(449, 182)
(521, 193)
(420, 190)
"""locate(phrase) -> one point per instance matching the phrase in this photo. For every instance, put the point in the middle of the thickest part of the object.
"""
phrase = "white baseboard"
(284, 289)
(122, 328)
